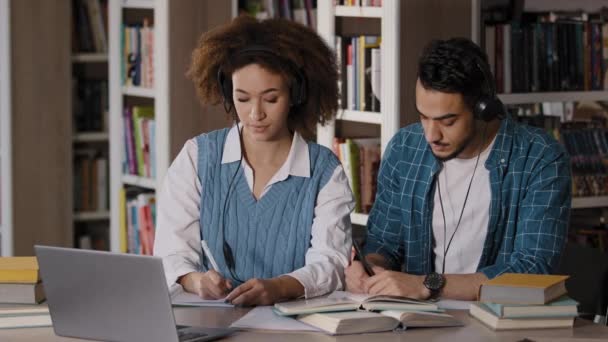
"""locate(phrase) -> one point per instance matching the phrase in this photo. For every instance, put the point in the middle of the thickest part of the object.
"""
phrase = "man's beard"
(459, 150)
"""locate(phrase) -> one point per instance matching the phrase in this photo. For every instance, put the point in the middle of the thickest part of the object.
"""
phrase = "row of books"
(137, 55)
(372, 3)
(360, 159)
(548, 52)
(90, 105)
(139, 157)
(585, 139)
(138, 221)
(89, 26)
(91, 181)
(525, 301)
(301, 11)
(359, 61)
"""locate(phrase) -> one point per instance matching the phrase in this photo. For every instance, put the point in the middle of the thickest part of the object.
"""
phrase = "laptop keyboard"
(185, 336)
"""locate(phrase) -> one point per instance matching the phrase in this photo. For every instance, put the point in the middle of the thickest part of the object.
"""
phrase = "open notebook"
(355, 322)
(346, 301)
(180, 297)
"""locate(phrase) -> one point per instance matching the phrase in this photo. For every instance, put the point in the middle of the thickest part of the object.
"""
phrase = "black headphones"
(297, 91)
(487, 107)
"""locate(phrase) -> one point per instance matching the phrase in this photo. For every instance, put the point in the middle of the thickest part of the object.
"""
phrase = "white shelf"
(143, 4)
(142, 182)
(360, 219)
(589, 202)
(91, 216)
(360, 116)
(359, 11)
(90, 58)
(138, 91)
(91, 137)
(595, 95)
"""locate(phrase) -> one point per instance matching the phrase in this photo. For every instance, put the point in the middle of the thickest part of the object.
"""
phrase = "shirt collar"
(297, 162)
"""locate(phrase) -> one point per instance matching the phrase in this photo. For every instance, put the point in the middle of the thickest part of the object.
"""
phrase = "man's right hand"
(355, 277)
(208, 285)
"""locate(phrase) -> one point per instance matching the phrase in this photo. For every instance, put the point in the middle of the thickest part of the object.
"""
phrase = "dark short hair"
(454, 66)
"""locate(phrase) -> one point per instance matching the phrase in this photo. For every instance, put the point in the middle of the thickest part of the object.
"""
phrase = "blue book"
(561, 307)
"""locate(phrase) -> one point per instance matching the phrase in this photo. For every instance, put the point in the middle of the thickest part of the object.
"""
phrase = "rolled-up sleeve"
(542, 223)
(178, 236)
(331, 240)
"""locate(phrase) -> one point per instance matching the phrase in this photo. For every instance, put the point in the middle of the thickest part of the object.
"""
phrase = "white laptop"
(113, 297)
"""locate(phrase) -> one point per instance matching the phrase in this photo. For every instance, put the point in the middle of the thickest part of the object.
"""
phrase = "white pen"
(207, 253)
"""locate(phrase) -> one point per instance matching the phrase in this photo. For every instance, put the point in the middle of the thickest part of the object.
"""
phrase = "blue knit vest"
(270, 236)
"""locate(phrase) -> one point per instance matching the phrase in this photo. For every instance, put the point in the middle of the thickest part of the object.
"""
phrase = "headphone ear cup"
(297, 92)
(487, 109)
(225, 86)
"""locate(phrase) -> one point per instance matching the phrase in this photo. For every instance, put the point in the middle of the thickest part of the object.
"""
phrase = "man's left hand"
(397, 284)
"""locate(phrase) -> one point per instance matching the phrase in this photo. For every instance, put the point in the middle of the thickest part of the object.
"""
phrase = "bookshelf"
(388, 119)
(35, 129)
(517, 98)
(90, 141)
(178, 115)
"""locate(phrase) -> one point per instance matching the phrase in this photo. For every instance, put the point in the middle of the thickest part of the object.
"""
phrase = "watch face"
(434, 281)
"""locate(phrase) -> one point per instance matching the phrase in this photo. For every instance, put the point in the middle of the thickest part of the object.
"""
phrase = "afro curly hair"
(293, 45)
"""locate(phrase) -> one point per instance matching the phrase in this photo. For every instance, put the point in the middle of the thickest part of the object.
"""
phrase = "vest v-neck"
(246, 196)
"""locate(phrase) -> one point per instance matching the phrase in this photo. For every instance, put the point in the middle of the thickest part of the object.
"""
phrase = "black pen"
(359, 256)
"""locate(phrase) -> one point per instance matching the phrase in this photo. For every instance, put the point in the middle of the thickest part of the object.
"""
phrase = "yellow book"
(19, 270)
(515, 288)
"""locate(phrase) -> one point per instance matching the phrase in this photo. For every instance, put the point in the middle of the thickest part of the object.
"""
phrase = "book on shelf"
(90, 180)
(487, 317)
(361, 160)
(345, 301)
(19, 270)
(139, 156)
(21, 293)
(359, 3)
(561, 307)
(548, 51)
(356, 322)
(89, 27)
(138, 45)
(141, 222)
(359, 67)
(518, 288)
(301, 11)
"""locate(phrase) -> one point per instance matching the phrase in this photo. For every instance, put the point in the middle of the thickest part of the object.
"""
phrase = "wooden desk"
(472, 331)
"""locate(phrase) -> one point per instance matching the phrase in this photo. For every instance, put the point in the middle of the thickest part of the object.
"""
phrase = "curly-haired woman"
(273, 207)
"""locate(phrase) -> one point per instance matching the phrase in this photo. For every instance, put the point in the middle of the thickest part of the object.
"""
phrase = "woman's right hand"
(208, 285)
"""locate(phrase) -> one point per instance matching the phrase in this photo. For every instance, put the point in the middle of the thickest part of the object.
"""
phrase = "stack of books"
(20, 281)
(525, 301)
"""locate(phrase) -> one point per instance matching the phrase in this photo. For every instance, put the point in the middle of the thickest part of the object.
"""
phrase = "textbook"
(513, 288)
(21, 293)
(355, 322)
(487, 317)
(19, 270)
(561, 307)
(345, 301)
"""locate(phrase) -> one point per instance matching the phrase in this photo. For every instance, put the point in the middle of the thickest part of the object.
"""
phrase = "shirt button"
(502, 161)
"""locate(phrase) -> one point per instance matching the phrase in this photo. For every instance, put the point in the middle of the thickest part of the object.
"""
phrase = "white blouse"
(178, 231)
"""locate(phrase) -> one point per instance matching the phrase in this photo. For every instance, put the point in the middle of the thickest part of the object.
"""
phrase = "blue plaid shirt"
(529, 211)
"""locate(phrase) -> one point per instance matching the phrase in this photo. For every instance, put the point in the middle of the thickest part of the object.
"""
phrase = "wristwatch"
(435, 283)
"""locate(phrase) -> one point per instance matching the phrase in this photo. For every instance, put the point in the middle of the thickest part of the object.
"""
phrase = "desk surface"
(472, 331)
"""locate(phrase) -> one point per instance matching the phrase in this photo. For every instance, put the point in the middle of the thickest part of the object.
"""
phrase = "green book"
(140, 113)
